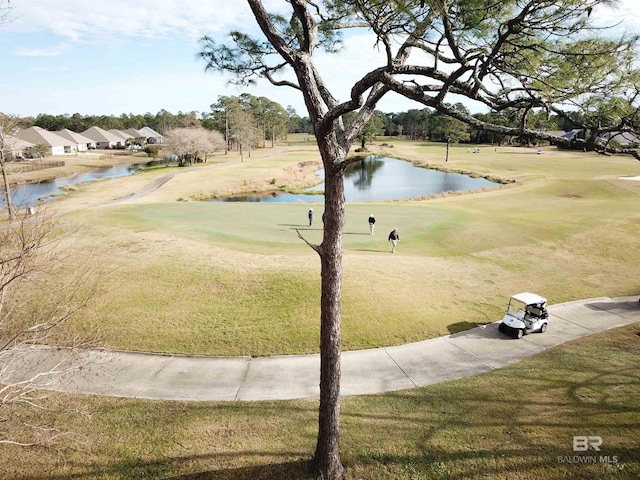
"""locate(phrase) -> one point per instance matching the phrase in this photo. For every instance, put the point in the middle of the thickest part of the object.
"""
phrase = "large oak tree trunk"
(327, 455)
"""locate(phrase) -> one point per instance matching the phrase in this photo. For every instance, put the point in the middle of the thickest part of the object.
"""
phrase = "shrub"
(151, 150)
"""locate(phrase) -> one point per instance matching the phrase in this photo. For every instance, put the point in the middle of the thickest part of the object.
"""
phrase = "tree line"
(249, 122)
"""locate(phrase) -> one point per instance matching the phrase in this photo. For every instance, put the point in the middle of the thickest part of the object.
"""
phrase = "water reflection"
(361, 173)
(30, 194)
(372, 179)
(381, 178)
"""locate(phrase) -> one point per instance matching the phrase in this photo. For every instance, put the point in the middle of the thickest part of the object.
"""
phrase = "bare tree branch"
(42, 287)
(316, 248)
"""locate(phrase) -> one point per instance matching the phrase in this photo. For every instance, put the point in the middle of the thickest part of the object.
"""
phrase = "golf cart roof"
(529, 298)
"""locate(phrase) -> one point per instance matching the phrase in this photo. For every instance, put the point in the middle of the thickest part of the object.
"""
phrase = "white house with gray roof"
(102, 138)
(152, 135)
(82, 143)
(121, 135)
(57, 144)
(133, 133)
(14, 148)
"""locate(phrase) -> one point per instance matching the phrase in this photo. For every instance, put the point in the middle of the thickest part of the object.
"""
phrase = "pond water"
(380, 178)
(375, 178)
(30, 194)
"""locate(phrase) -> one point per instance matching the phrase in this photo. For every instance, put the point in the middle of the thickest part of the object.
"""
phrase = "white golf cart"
(526, 313)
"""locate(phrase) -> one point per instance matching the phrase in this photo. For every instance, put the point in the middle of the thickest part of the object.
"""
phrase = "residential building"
(152, 135)
(102, 138)
(624, 139)
(121, 135)
(57, 144)
(133, 133)
(82, 143)
(14, 148)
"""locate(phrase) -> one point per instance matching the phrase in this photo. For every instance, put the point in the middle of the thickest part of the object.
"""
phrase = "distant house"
(624, 139)
(564, 136)
(121, 135)
(57, 144)
(556, 133)
(133, 133)
(559, 134)
(572, 134)
(620, 139)
(14, 148)
(152, 135)
(82, 143)
(102, 138)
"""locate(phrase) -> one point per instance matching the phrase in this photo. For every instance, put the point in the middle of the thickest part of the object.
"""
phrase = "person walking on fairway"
(372, 223)
(394, 236)
(310, 215)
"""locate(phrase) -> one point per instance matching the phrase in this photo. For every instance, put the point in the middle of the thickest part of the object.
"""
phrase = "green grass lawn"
(235, 279)
(511, 423)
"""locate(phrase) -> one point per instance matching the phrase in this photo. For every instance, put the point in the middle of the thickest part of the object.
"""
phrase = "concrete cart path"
(204, 378)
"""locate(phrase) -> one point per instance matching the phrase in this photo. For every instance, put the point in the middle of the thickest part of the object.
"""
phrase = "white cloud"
(626, 15)
(53, 51)
(145, 50)
(87, 20)
(83, 21)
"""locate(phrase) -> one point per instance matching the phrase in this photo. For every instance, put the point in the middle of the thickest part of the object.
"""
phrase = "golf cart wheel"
(519, 333)
(543, 328)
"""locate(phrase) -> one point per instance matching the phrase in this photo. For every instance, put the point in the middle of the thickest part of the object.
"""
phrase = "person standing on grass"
(372, 223)
(394, 236)
(310, 215)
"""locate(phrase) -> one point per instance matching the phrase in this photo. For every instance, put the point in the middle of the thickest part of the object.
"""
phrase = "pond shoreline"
(292, 178)
(72, 165)
(392, 183)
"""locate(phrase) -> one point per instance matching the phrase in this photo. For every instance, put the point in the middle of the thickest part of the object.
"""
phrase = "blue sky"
(108, 57)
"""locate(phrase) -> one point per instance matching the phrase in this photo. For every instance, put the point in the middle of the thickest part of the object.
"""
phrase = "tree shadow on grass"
(494, 432)
(518, 419)
(300, 469)
(165, 468)
(374, 250)
(515, 422)
(463, 326)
